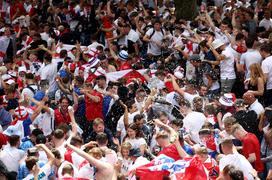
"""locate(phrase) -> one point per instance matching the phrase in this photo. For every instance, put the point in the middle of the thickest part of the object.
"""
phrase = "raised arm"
(96, 99)
(113, 54)
(173, 133)
(73, 121)
(209, 21)
(125, 114)
(176, 86)
(49, 154)
(100, 165)
(109, 9)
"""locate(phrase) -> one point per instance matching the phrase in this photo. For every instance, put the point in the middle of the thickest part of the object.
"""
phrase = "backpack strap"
(31, 89)
(154, 33)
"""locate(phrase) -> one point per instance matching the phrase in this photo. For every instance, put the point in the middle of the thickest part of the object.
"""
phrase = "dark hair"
(76, 141)
(29, 76)
(177, 122)
(67, 169)
(31, 162)
(226, 22)
(233, 172)
(250, 42)
(13, 140)
(101, 77)
(203, 44)
(63, 53)
(47, 57)
(138, 117)
(64, 127)
(41, 139)
(101, 138)
(209, 109)
(101, 57)
(251, 14)
(266, 48)
(44, 82)
(268, 115)
(140, 90)
(130, 103)
(36, 132)
(185, 103)
(56, 153)
(239, 36)
(139, 132)
(58, 133)
(65, 97)
(79, 79)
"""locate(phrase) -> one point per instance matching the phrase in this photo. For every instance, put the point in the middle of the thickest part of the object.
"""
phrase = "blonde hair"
(96, 151)
(255, 73)
(201, 151)
(126, 145)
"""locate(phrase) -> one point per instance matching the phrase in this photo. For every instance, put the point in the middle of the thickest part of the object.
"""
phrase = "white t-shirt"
(57, 60)
(45, 36)
(192, 123)
(77, 159)
(266, 23)
(94, 46)
(121, 126)
(215, 84)
(267, 69)
(49, 72)
(220, 35)
(62, 150)
(153, 48)
(238, 161)
(29, 92)
(11, 156)
(250, 57)
(35, 67)
(86, 171)
(173, 98)
(227, 70)
(136, 143)
(61, 168)
(133, 36)
(190, 97)
(126, 163)
(43, 173)
(45, 122)
(140, 105)
(257, 107)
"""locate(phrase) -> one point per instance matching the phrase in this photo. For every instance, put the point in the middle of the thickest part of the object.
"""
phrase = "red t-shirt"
(61, 117)
(171, 151)
(93, 109)
(251, 145)
(125, 66)
(3, 139)
(14, 8)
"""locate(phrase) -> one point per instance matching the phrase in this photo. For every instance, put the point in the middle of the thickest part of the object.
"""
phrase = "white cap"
(217, 43)
(22, 69)
(10, 81)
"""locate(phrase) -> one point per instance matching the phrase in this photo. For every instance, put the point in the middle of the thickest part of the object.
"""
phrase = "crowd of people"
(95, 89)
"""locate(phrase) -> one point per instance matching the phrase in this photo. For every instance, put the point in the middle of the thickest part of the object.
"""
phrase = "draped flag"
(185, 169)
